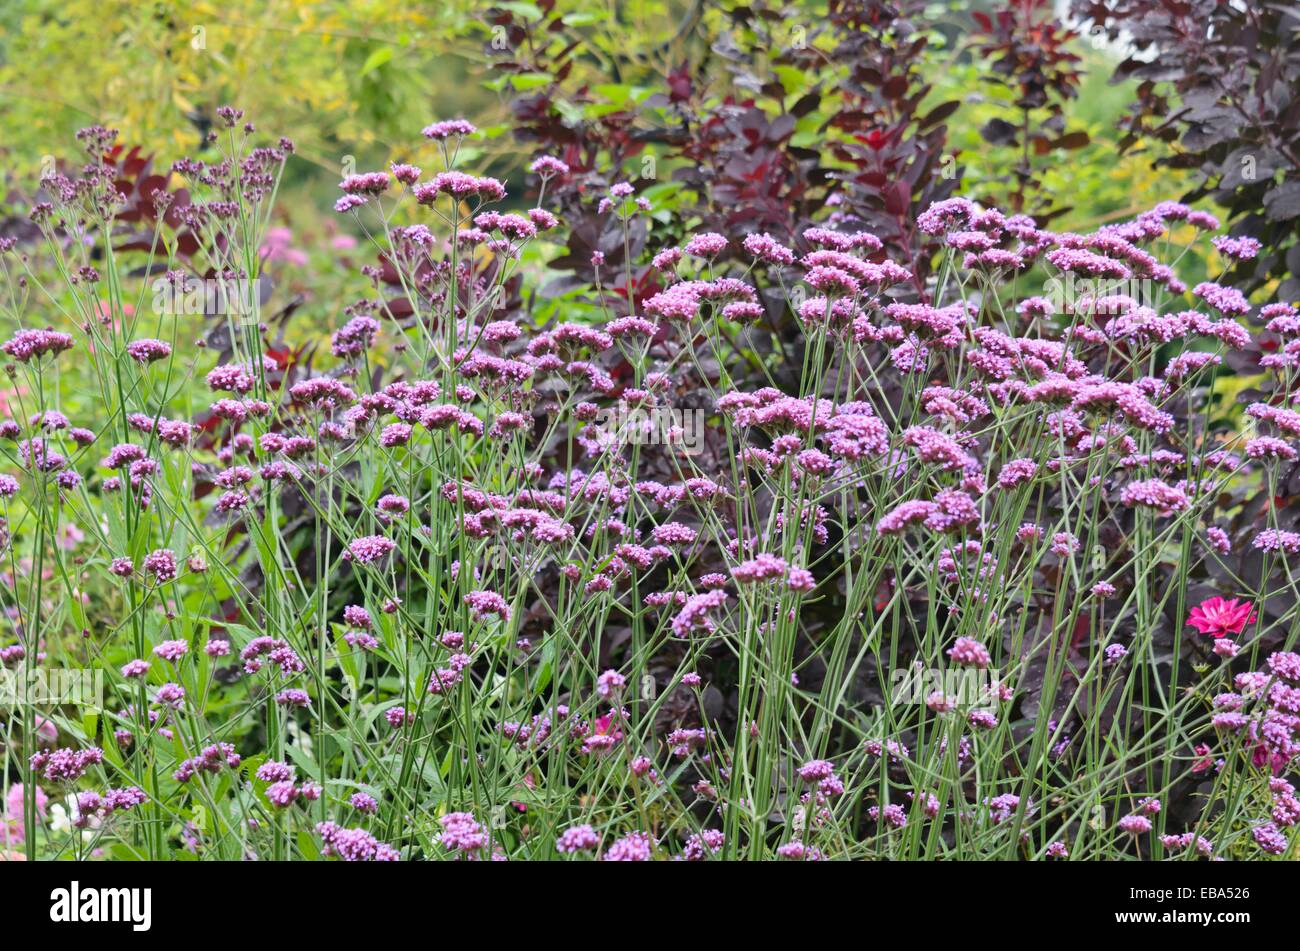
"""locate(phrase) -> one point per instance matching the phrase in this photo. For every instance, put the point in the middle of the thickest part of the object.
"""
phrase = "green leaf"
(617, 93)
(376, 59)
(528, 11)
(526, 81)
(308, 847)
(122, 852)
(303, 761)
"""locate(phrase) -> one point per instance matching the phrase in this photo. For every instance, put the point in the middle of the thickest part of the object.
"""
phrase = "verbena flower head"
(448, 128)
(369, 549)
(27, 345)
(580, 838)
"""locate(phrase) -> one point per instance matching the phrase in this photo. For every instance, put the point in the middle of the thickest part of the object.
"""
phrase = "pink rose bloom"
(1219, 617)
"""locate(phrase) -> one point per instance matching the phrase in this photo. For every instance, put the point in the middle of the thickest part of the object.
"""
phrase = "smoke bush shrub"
(736, 153)
(1219, 79)
(996, 575)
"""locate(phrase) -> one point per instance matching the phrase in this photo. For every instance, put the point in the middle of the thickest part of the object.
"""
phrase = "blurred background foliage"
(357, 76)
(356, 81)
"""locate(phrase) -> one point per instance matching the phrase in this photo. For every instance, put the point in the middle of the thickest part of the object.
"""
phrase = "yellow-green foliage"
(1096, 183)
(338, 78)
